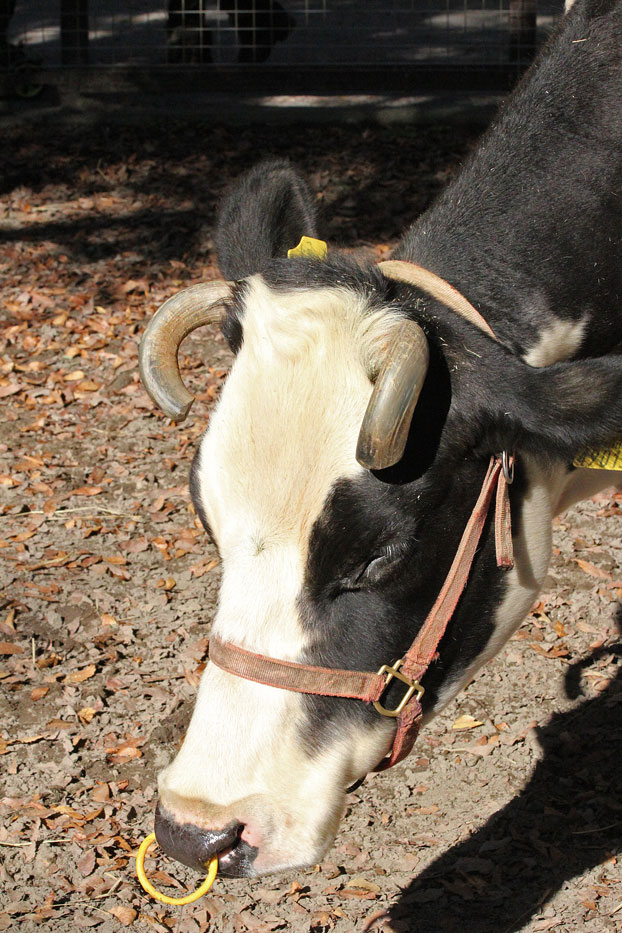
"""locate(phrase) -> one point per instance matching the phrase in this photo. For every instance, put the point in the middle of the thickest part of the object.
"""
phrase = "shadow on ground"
(567, 820)
(163, 185)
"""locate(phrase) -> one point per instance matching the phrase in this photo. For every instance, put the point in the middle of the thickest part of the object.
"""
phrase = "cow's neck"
(519, 254)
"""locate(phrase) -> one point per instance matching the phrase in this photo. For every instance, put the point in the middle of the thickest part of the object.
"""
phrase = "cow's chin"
(238, 864)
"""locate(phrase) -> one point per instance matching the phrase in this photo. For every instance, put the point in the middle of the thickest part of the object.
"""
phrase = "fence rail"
(343, 43)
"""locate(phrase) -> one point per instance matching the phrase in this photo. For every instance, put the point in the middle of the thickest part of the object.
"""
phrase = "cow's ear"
(554, 411)
(265, 214)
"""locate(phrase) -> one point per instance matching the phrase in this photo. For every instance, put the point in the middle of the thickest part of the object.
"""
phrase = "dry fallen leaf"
(358, 881)
(86, 714)
(466, 722)
(37, 693)
(361, 893)
(202, 567)
(88, 386)
(78, 677)
(101, 793)
(86, 863)
(10, 389)
(592, 569)
(8, 647)
(125, 915)
(556, 651)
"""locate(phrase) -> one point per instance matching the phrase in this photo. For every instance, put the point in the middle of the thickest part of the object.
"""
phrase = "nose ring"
(212, 870)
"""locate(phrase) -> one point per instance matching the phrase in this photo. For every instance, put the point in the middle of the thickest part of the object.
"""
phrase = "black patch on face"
(195, 494)
(231, 326)
(359, 620)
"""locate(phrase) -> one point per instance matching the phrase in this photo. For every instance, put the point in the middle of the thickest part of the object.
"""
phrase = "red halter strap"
(368, 686)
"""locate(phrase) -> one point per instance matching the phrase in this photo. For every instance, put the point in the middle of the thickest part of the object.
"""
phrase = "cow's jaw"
(283, 434)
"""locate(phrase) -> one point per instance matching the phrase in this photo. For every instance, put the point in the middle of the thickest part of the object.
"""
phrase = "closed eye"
(379, 568)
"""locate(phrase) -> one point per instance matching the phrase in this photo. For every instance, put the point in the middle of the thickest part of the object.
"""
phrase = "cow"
(362, 420)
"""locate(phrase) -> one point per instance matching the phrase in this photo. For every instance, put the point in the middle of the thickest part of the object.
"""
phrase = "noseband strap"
(301, 678)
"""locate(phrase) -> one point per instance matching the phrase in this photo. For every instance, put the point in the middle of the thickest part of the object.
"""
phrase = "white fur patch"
(558, 341)
(287, 423)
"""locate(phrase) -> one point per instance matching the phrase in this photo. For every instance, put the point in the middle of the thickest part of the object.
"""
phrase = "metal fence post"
(74, 32)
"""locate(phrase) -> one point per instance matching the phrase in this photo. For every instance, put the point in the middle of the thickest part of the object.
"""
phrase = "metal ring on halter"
(507, 461)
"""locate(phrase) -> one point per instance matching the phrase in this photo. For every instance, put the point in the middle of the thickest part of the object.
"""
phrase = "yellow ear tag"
(309, 248)
(610, 459)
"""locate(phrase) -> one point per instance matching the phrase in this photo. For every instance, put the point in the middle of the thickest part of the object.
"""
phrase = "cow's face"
(323, 562)
(280, 446)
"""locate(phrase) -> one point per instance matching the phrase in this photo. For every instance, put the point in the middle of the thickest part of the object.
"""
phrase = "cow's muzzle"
(194, 846)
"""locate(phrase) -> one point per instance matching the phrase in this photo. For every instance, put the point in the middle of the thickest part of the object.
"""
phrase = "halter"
(367, 686)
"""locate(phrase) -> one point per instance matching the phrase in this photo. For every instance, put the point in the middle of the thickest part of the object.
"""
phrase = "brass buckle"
(413, 687)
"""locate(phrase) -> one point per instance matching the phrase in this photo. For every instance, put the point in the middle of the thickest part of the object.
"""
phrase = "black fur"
(361, 624)
(532, 226)
(266, 214)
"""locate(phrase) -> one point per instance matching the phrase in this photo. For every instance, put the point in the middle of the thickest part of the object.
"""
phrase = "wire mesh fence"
(285, 33)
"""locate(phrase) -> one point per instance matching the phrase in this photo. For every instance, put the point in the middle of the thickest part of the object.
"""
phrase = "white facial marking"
(284, 431)
(560, 340)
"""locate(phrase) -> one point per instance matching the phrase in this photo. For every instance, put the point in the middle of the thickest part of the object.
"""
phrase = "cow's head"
(324, 561)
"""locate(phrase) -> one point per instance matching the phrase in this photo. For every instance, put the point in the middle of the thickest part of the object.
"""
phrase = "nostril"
(191, 845)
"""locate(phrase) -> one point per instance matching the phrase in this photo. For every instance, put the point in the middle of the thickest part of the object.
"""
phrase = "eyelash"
(384, 561)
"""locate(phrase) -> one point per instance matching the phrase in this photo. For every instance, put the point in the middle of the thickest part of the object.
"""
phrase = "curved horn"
(175, 319)
(384, 430)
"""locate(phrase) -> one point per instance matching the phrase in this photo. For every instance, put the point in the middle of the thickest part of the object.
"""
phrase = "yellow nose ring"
(212, 870)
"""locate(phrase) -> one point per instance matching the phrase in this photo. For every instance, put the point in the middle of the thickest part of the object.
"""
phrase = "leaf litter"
(506, 817)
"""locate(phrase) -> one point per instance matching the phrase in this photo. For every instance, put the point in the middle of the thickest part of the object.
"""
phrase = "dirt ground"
(108, 584)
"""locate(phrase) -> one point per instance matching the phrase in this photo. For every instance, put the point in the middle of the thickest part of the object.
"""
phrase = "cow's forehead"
(285, 429)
